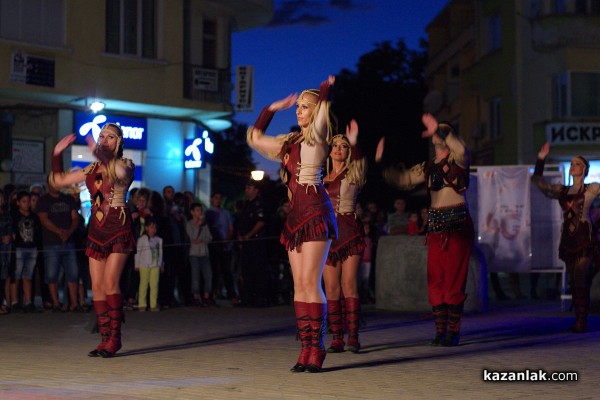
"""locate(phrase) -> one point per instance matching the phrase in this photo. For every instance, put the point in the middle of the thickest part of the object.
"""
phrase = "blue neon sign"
(194, 155)
(135, 130)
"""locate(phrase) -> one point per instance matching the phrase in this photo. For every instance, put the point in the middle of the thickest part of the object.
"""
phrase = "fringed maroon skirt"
(112, 235)
(311, 218)
(577, 244)
(350, 240)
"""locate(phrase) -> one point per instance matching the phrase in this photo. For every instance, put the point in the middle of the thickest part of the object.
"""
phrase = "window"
(209, 43)
(587, 6)
(33, 21)
(495, 118)
(575, 6)
(131, 27)
(559, 94)
(453, 85)
(559, 6)
(576, 95)
(493, 32)
(585, 91)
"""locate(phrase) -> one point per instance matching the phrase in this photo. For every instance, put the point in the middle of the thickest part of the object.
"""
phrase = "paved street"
(246, 353)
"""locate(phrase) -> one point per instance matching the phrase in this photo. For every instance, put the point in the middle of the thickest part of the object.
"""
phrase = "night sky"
(309, 39)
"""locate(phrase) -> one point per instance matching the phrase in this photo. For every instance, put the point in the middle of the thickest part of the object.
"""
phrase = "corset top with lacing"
(447, 174)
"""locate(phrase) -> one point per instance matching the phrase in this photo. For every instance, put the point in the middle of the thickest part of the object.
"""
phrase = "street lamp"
(96, 106)
(257, 175)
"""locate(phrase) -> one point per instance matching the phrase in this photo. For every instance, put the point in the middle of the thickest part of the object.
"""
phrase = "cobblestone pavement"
(246, 353)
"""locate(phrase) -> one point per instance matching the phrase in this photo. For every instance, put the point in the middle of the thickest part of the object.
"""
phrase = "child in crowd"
(27, 233)
(130, 281)
(199, 235)
(34, 199)
(149, 263)
(412, 227)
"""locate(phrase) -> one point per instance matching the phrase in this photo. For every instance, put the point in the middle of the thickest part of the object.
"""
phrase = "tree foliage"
(385, 96)
(231, 163)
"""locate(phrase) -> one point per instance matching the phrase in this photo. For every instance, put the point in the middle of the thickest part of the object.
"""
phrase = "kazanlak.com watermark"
(529, 375)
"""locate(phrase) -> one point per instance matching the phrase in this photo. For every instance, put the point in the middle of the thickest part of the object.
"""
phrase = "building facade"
(512, 74)
(161, 68)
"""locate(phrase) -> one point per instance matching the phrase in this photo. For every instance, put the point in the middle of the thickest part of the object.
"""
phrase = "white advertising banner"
(504, 217)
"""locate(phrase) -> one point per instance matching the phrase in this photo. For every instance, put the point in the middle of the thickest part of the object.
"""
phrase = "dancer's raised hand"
(430, 123)
(63, 144)
(544, 151)
(379, 151)
(285, 103)
(352, 132)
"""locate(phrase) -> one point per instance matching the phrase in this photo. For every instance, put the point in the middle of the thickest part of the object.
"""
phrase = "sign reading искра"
(573, 133)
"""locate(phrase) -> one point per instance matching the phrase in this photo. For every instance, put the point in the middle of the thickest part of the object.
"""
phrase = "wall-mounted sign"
(196, 150)
(205, 79)
(134, 129)
(566, 133)
(31, 70)
(244, 88)
(28, 156)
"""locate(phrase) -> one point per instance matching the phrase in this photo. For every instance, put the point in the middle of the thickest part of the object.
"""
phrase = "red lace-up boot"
(440, 314)
(304, 333)
(115, 313)
(580, 303)
(318, 325)
(455, 312)
(101, 309)
(353, 321)
(335, 320)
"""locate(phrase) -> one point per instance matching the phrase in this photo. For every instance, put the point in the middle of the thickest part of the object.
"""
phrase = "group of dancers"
(324, 173)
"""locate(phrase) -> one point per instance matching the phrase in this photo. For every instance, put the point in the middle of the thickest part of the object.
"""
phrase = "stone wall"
(401, 276)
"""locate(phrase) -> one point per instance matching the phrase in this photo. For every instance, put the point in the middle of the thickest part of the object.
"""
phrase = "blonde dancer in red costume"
(110, 238)
(311, 224)
(346, 177)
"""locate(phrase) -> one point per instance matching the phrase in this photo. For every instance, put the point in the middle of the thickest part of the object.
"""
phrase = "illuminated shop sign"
(196, 150)
(573, 133)
(134, 129)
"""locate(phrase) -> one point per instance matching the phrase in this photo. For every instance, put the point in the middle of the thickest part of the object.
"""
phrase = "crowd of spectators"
(237, 258)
